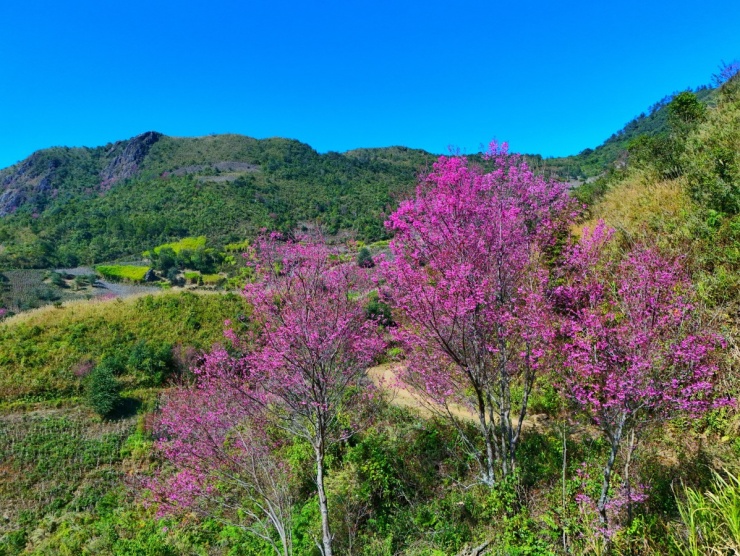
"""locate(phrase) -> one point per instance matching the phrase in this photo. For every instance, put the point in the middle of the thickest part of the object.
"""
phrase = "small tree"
(103, 390)
(468, 279)
(635, 347)
(302, 371)
(365, 258)
(313, 348)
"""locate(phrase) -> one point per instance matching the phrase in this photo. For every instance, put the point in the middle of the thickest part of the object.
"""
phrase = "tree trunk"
(616, 439)
(627, 485)
(323, 506)
(564, 493)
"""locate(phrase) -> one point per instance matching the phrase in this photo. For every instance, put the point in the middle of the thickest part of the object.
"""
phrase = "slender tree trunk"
(564, 493)
(323, 505)
(490, 478)
(616, 439)
(627, 485)
(488, 428)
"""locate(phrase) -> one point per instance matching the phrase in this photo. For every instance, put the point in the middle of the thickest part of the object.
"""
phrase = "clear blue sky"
(549, 77)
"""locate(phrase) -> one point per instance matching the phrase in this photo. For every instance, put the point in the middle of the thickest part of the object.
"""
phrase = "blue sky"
(549, 77)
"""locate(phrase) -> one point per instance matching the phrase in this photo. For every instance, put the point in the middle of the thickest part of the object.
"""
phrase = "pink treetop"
(468, 278)
(314, 345)
(634, 343)
(315, 342)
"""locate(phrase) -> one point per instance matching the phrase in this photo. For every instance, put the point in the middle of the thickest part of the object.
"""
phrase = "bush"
(365, 259)
(103, 391)
(153, 360)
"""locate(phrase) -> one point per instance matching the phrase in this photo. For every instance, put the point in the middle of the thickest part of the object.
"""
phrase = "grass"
(41, 352)
(710, 521)
(123, 272)
(642, 205)
(185, 244)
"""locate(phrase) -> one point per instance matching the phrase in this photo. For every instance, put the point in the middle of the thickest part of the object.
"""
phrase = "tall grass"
(710, 521)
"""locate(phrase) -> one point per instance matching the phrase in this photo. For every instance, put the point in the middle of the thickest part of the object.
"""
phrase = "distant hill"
(67, 206)
(589, 163)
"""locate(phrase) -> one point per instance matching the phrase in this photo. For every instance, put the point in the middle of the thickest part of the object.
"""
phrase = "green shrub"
(152, 360)
(365, 259)
(103, 391)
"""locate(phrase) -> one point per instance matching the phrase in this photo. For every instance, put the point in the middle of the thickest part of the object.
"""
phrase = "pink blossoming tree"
(468, 278)
(313, 348)
(303, 372)
(226, 461)
(634, 345)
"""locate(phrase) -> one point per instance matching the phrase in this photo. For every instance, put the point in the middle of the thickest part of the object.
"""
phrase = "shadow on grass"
(127, 407)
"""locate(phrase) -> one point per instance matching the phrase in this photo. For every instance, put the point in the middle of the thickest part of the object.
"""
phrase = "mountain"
(65, 206)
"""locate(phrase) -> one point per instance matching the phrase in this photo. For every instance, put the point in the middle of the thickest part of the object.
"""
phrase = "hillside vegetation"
(68, 206)
(60, 209)
(76, 474)
(46, 354)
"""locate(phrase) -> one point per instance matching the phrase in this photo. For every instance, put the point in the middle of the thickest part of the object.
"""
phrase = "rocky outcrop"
(29, 180)
(126, 161)
(66, 171)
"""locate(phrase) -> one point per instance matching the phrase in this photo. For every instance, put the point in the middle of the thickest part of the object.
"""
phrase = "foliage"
(365, 258)
(40, 352)
(469, 281)
(282, 184)
(122, 272)
(710, 521)
(712, 160)
(55, 463)
(103, 391)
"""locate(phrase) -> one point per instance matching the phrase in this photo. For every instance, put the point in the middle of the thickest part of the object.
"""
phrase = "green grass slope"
(45, 354)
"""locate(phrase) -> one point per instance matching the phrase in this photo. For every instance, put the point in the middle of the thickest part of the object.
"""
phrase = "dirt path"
(385, 377)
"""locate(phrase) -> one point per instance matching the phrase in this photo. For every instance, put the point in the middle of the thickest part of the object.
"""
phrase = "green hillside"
(68, 206)
(225, 187)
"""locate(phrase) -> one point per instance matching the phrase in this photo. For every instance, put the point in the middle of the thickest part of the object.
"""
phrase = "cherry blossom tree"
(313, 347)
(301, 371)
(226, 462)
(468, 278)
(635, 346)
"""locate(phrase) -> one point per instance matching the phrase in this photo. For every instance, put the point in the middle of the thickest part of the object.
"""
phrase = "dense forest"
(190, 418)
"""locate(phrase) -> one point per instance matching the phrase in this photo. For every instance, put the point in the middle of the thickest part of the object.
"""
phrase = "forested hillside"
(63, 207)
(68, 206)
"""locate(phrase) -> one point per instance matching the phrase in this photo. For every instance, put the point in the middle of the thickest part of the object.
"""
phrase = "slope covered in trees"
(63, 207)
(67, 206)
